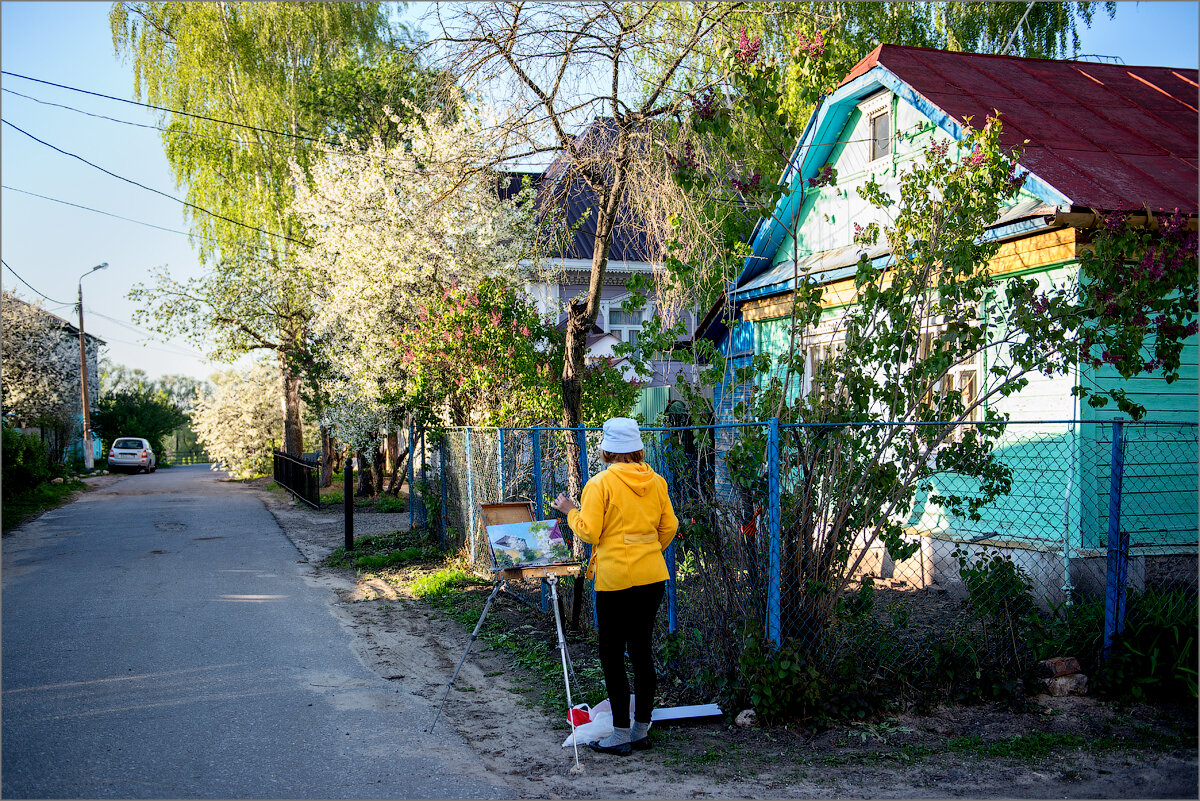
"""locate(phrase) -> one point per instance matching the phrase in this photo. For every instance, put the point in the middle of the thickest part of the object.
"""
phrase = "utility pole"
(89, 461)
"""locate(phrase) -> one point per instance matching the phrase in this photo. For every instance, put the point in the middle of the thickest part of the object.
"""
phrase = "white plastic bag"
(600, 727)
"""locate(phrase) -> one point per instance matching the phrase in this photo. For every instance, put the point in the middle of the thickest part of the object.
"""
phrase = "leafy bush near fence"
(26, 463)
(873, 658)
(1153, 659)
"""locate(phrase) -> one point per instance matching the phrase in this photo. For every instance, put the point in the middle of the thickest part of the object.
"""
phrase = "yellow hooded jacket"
(626, 514)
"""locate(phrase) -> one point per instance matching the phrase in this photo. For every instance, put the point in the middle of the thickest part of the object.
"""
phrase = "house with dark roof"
(66, 353)
(565, 202)
(1095, 138)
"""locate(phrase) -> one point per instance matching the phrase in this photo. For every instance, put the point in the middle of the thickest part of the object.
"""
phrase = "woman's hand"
(563, 504)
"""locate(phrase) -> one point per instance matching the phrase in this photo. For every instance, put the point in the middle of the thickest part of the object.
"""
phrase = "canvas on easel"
(524, 547)
(532, 544)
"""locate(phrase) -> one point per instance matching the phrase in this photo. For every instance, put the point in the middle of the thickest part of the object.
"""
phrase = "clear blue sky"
(50, 244)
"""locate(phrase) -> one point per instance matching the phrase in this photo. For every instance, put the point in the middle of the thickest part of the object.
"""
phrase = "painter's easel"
(522, 512)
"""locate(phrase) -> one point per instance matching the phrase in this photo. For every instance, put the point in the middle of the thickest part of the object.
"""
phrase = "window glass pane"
(618, 317)
(881, 142)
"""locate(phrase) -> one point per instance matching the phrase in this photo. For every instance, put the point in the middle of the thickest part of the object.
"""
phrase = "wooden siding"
(1160, 503)
(1048, 248)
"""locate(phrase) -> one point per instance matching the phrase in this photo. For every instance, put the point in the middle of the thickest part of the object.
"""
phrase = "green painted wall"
(650, 404)
(1160, 476)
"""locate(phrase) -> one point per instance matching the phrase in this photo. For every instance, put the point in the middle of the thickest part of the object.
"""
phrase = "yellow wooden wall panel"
(1049, 247)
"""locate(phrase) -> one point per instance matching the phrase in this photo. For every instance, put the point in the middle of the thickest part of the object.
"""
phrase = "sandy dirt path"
(404, 640)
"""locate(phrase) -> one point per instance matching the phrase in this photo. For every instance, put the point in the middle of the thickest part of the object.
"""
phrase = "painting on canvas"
(528, 544)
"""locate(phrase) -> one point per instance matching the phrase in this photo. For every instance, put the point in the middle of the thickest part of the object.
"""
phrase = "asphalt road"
(160, 640)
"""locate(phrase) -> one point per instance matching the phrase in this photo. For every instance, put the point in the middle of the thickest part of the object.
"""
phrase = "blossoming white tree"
(40, 364)
(391, 223)
(240, 422)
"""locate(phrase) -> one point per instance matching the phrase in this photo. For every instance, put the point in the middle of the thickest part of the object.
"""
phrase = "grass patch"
(1022, 747)
(18, 507)
(387, 503)
(335, 495)
(394, 558)
(446, 582)
(386, 550)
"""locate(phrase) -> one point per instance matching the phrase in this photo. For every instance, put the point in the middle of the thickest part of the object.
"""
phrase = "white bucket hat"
(621, 435)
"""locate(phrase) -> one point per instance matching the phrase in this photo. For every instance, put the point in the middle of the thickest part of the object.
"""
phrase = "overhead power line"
(26, 283)
(161, 108)
(105, 213)
(155, 191)
(119, 121)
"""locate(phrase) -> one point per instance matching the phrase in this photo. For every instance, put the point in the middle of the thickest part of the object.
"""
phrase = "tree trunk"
(365, 487)
(399, 470)
(326, 458)
(393, 449)
(377, 466)
(293, 431)
(572, 389)
(580, 319)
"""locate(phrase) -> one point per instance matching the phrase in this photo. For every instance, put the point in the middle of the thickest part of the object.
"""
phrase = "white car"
(130, 452)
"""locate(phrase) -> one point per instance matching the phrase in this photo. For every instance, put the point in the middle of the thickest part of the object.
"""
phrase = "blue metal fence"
(734, 566)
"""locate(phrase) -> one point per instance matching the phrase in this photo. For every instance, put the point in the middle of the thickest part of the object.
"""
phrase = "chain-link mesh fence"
(884, 545)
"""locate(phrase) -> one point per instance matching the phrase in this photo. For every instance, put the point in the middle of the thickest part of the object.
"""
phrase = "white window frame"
(959, 378)
(821, 345)
(871, 110)
(625, 330)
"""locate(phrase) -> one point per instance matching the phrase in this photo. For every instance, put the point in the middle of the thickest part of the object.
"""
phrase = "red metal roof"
(1108, 136)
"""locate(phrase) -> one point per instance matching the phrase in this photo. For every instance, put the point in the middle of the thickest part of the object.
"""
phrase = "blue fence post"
(500, 463)
(1118, 559)
(412, 488)
(773, 577)
(470, 516)
(537, 473)
(444, 470)
(539, 505)
(581, 432)
(424, 480)
(672, 610)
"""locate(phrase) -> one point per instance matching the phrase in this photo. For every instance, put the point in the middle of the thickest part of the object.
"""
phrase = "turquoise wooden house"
(1096, 138)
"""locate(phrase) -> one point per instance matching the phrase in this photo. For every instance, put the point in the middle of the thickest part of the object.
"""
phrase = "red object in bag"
(579, 716)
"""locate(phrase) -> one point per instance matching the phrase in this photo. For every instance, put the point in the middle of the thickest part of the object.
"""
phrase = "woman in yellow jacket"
(626, 516)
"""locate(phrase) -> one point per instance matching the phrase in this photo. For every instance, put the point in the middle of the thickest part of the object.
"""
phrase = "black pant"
(625, 618)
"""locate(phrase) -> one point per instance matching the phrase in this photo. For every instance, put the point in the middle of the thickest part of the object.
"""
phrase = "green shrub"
(26, 463)
(781, 684)
(1154, 658)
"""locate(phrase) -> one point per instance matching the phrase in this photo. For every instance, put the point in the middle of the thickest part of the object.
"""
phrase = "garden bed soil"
(1063, 748)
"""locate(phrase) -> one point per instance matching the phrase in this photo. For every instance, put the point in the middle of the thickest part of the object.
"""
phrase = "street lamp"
(89, 461)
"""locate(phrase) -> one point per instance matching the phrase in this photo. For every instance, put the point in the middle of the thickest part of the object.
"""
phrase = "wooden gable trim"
(1042, 249)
